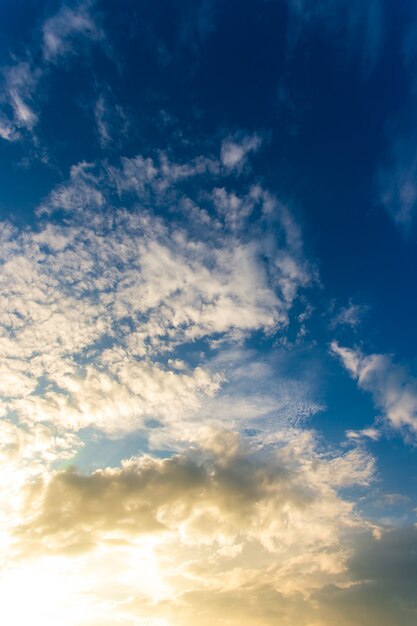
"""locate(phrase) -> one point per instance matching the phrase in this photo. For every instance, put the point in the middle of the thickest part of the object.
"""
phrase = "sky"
(208, 373)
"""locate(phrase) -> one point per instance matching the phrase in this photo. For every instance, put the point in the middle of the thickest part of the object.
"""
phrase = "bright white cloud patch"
(95, 308)
(393, 389)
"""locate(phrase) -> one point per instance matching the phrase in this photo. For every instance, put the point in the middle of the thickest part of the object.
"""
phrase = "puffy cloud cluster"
(231, 531)
(381, 591)
(221, 492)
(92, 305)
(225, 518)
(120, 399)
(107, 319)
(129, 322)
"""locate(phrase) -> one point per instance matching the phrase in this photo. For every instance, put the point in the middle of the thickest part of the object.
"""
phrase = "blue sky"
(208, 294)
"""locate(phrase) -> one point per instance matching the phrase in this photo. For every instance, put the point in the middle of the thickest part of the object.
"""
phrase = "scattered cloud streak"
(396, 178)
(62, 31)
(349, 316)
(22, 80)
(19, 83)
(393, 389)
(91, 306)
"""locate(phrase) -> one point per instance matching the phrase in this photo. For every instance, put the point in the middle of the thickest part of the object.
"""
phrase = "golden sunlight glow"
(80, 591)
(42, 594)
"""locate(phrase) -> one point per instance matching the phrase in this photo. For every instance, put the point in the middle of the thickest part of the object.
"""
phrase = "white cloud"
(107, 291)
(111, 121)
(349, 316)
(170, 536)
(119, 399)
(26, 455)
(62, 34)
(61, 31)
(142, 175)
(393, 389)
(19, 83)
(81, 193)
(364, 433)
(7, 130)
(234, 151)
(128, 326)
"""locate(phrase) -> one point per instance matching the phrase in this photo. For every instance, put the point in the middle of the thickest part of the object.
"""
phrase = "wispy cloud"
(111, 121)
(220, 503)
(396, 179)
(357, 28)
(234, 150)
(63, 31)
(19, 83)
(393, 389)
(22, 80)
(350, 316)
